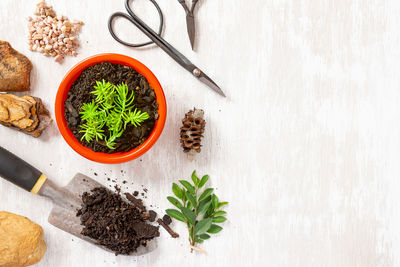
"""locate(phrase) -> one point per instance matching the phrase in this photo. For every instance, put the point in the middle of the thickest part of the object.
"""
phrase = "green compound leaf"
(195, 179)
(203, 181)
(191, 198)
(202, 226)
(214, 199)
(92, 130)
(175, 202)
(88, 111)
(219, 219)
(214, 229)
(220, 213)
(205, 236)
(220, 204)
(177, 191)
(206, 193)
(103, 91)
(189, 214)
(203, 206)
(135, 118)
(176, 215)
(188, 186)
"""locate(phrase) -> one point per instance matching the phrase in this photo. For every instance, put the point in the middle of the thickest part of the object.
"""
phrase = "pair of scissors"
(158, 40)
(191, 28)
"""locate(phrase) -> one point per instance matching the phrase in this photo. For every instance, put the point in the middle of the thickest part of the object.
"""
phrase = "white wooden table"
(306, 146)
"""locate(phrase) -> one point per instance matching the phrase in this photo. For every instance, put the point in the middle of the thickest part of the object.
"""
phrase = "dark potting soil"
(115, 224)
(145, 100)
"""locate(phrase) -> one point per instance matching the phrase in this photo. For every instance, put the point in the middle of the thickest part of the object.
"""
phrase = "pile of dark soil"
(145, 100)
(115, 224)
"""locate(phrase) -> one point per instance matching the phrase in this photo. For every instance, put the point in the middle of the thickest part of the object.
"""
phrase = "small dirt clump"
(166, 219)
(153, 215)
(115, 224)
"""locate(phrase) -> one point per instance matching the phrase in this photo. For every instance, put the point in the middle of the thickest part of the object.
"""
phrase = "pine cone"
(192, 132)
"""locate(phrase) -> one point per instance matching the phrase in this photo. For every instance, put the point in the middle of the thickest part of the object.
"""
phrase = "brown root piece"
(192, 131)
(167, 228)
(15, 69)
(26, 114)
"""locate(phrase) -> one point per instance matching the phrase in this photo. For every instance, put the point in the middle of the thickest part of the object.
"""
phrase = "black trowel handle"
(17, 171)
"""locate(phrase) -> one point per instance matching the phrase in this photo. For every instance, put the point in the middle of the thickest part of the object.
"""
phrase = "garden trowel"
(67, 200)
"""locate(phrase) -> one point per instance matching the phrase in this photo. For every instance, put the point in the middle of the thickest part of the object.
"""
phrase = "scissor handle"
(128, 17)
(194, 3)
(158, 40)
(186, 8)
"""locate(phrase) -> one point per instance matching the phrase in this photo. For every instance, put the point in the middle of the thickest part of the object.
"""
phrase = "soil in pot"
(145, 101)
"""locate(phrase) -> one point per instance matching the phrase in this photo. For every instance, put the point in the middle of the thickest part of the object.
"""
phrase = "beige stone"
(21, 241)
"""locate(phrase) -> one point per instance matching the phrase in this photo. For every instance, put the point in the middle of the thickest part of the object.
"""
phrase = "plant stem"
(195, 218)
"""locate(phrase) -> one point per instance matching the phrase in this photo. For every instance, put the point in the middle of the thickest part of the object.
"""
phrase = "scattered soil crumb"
(117, 188)
(153, 215)
(166, 219)
(136, 201)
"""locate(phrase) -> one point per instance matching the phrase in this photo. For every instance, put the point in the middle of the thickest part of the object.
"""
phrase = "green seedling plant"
(199, 209)
(112, 109)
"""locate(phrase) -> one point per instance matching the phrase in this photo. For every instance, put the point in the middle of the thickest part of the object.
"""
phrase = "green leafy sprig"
(201, 211)
(112, 108)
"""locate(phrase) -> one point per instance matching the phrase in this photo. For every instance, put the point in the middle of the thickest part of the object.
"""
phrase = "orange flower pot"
(118, 157)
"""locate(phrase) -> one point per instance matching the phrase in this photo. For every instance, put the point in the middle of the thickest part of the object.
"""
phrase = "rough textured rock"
(21, 241)
(15, 69)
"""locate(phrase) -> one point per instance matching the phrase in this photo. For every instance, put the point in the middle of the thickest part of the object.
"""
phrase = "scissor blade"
(191, 29)
(210, 83)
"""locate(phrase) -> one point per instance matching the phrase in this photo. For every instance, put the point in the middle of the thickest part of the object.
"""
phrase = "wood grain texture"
(305, 147)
